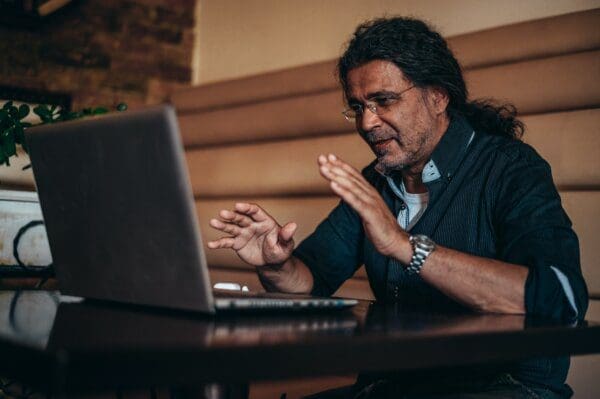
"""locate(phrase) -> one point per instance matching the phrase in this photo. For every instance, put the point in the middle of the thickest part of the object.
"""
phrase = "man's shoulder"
(510, 151)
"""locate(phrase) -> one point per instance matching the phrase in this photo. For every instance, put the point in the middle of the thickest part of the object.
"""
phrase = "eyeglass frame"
(372, 106)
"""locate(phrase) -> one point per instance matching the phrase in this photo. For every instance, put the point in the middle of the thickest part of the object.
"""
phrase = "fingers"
(228, 228)
(331, 159)
(225, 242)
(235, 217)
(336, 170)
(286, 233)
(254, 211)
(350, 197)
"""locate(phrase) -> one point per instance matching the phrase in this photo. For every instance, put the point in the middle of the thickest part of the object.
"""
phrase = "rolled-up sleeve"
(534, 231)
(333, 252)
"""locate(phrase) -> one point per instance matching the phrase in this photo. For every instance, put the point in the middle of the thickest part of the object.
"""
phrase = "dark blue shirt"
(493, 197)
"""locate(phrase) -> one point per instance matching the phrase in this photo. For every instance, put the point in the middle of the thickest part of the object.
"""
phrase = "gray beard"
(386, 170)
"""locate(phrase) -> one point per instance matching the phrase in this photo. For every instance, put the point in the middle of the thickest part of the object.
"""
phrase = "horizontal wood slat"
(562, 34)
(301, 116)
(546, 37)
(14, 177)
(292, 82)
(552, 84)
(290, 167)
(570, 142)
(353, 288)
(307, 212)
(298, 388)
(281, 168)
(581, 206)
(247, 277)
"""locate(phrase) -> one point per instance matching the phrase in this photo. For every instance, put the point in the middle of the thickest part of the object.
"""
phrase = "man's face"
(406, 130)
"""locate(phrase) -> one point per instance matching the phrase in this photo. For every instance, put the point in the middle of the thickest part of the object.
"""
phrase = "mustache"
(374, 137)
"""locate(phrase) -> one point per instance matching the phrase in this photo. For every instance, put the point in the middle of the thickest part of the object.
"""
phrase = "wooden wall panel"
(284, 167)
(570, 142)
(357, 287)
(301, 116)
(290, 167)
(560, 83)
(583, 207)
(306, 211)
(292, 82)
(546, 37)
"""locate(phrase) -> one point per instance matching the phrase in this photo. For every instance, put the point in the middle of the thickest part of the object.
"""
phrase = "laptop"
(121, 219)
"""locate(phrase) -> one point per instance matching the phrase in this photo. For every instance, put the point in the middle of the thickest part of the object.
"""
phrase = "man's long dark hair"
(425, 59)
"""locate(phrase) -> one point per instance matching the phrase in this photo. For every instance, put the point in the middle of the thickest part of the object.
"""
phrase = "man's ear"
(439, 99)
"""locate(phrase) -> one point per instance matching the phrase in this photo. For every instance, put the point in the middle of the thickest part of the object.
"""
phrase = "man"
(454, 210)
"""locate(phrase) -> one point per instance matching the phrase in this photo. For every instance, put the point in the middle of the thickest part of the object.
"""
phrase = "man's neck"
(413, 176)
(414, 183)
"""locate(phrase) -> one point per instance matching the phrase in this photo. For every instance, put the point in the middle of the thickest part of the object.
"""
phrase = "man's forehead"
(375, 76)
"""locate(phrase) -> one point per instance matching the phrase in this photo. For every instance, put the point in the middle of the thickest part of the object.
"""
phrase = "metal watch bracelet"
(422, 246)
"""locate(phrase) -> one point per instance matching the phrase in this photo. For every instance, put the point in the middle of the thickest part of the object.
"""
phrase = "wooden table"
(65, 347)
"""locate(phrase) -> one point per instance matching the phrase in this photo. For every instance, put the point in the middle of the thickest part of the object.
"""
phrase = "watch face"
(423, 241)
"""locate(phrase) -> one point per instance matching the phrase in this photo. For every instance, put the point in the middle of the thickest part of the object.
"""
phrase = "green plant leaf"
(13, 112)
(40, 110)
(100, 110)
(75, 115)
(12, 129)
(23, 111)
(9, 147)
(44, 113)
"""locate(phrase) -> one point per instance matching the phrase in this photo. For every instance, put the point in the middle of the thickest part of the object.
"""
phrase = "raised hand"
(380, 225)
(255, 236)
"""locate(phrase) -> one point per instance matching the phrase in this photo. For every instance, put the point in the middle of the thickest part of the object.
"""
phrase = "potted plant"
(24, 247)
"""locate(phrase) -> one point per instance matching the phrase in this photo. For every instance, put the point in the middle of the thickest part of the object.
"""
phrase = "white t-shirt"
(414, 205)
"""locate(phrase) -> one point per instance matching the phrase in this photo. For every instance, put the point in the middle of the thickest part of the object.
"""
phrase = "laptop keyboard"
(272, 300)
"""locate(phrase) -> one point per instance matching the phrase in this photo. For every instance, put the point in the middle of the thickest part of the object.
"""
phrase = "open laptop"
(121, 219)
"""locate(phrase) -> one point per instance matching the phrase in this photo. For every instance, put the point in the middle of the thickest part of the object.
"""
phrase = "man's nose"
(369, 120)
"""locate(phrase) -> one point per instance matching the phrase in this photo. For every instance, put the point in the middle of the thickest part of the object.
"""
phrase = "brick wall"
(103, 52)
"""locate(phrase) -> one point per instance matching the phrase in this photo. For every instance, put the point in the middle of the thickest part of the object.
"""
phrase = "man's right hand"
(255, 236)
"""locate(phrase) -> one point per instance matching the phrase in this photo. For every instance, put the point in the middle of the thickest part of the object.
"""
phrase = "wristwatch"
(423, 246)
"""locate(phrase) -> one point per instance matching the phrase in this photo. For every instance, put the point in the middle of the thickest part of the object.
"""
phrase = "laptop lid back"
(119, 210)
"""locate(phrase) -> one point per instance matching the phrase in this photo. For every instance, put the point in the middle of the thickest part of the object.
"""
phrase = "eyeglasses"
(378, 105)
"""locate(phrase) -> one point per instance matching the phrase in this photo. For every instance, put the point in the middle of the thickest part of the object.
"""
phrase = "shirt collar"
(446, 156)
(451, 149)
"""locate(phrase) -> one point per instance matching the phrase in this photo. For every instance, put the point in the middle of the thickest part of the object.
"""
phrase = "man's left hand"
(380, 225)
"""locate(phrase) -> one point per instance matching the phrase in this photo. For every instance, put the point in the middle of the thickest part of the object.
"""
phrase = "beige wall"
(244, 37)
